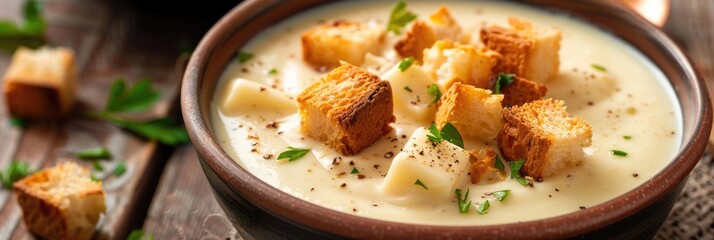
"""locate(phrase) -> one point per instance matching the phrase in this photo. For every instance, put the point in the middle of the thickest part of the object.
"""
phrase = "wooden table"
(164, 190)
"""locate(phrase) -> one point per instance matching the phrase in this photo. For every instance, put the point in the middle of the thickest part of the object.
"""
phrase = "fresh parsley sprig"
(33, 25)
(448, 132)
(483, 207)
(399, 17)
(140, 97)
(405, 64)
(502, 81)
(499, 164)
(100, 153)
(293, 154)
(434, 91)
(16, 170)
(500, 195)
(120, 169)
(515, 171)
(463, 205)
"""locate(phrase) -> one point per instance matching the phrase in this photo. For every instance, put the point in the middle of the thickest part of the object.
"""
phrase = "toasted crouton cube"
(473, 111)
(40, 84)
(483, 166)
(440, 25)
(542, 133)
(349, 109)
(522, 91)
(527, 51)
(61, 202)
(325, 45)
(450, 62)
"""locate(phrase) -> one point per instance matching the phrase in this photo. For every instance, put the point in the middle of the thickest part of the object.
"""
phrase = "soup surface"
(630, 107)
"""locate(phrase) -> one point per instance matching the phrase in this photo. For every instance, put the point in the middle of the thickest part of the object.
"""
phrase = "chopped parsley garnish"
(139, 234)
(273, 71)
(434, 91)
(502, 81)
(619, 153)
(31, 31)
(120, 169)
(448, 132)
(463, 205)
(293, 154)
(139, 97)
(406, 88)
(499, 164)
(404, 64)
(244, 56)
(598, 67)
(500, 195)
(399, 17)
(515, 169)
(16, 170)
(94, 154)
(627, 137)
(354, 170)
(418, 182)
(483, 207)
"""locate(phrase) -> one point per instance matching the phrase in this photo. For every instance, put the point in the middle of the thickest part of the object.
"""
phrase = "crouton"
(349, 109)
(473, 111)
(325, 45)
(440, 25)
(542, 133)
(40, 84)
(483, 166)
(449, 62)
(527, 51)
(61, 202)
(522, 91)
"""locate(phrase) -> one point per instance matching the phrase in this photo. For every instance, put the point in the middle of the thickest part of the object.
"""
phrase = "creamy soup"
(630, 106)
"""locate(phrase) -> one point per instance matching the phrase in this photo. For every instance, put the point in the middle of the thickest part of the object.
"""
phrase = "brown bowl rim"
(315, 217)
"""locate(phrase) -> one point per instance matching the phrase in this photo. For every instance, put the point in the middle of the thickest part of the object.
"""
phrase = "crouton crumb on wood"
(349, 109)
(483, 166)
(61, 202)
(542, 133)
(475, 112)
(325, 45)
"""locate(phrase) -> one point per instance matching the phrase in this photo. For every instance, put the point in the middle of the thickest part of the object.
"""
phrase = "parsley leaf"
(97, 166)
(293, 154)
(463, 205)
(120, 169)
(354, 171)
(407, 88)
(502, 81)
(18, 122)
(33, 25)
(619, 153)
(244, 56)
(418, 182)
(434, 91)
(448, 133)
(399, 17)
(273, 71)
(164, 130)
(500, 195)
(435, 135)
(94, 154)
(140, 97)
(515, 169)
(139, 234)
(598, 67)
(483, 208)
(499, 164)
(16, 170)
(94, 178)
(404, 64)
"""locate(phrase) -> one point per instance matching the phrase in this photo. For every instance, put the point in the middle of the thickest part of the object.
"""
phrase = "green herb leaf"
(515, 169)
(164, 130)
(449, 133)
(418, 182)
(94, 154)
(619, 153)
(354, 171)
(499, 164)
(500, 195)
(483, 208)
(406, 88)
(399, 17)
(97, 165)
(140, 97)
(120, 169)
(273, 71)
(33, 25)
(627, 137)
(463, 205)
(404, 64)
(94, 178)
(435, 93)
(293, 154)
(16, 170)
(435, 135)
(139, 234)
(502, 81)
(244, 56)
(599, 68)
(18, 122)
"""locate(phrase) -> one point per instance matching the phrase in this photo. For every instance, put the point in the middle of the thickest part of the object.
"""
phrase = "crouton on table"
(475, 112)
(325, 45)
(483, 166)
(450, 62)
(349, 109)
(542, 133)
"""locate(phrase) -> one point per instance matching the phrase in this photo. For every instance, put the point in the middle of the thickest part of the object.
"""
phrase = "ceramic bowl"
(261, 211)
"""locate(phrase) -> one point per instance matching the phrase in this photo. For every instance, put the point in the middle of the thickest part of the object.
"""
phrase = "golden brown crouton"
(522, 91)
(449, 62)
(440, 25)
(325, 45)
(527, 51)
(61, 202)
(542, 133)
(473, 111)
(483, 166)
(40, 83)
(349, 109)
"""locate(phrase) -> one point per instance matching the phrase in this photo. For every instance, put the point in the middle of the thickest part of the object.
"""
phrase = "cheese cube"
(411, 98)
(40, 83)
(244, 96)
(438, 166)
